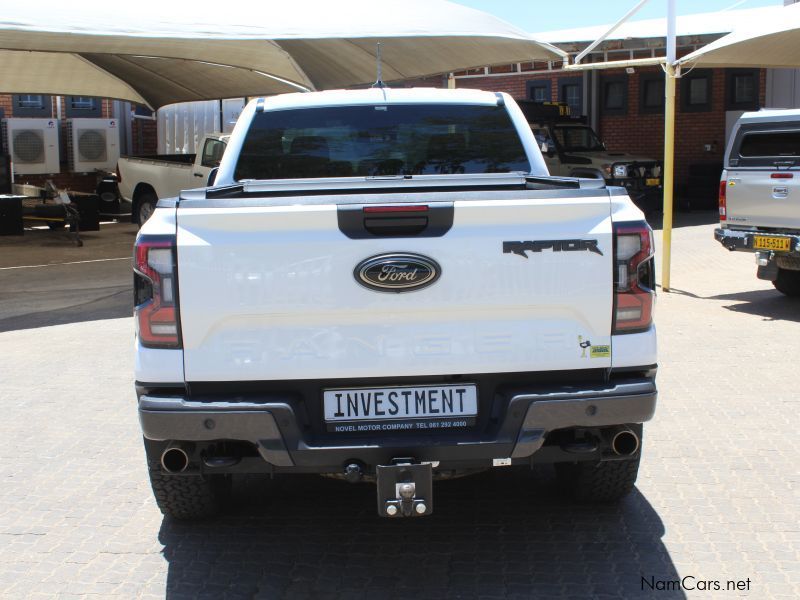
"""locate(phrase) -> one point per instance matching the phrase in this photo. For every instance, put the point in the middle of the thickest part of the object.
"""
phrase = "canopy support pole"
(669, 173)
(669, 146)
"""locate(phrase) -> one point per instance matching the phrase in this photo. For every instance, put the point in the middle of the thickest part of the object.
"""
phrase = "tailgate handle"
(395, 225)
(395, 220)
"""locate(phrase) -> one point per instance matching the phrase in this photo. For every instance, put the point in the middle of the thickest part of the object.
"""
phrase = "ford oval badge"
(397, 272)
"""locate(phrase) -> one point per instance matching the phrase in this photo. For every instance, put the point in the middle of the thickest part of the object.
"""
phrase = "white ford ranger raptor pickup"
(386, 285)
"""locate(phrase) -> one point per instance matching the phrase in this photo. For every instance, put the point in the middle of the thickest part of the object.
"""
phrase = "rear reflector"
(634, 277)
(156, 292)
(723, 208)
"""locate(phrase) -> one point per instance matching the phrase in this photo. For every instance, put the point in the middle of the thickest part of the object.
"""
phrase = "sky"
(546, 15)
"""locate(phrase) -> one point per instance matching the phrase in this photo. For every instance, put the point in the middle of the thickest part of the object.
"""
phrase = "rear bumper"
(272, 426)
(738, 240)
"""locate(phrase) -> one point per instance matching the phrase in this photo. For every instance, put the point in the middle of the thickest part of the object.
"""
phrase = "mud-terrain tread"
(603, 482)
(788, 282)
(187, 497)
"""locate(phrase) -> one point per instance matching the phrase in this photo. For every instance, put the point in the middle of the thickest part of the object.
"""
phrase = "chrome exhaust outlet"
(174, 459)
(624, 442)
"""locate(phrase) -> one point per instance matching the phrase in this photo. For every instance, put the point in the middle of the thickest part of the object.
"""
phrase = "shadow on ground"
(769, 304)
(57, 294)
(684, 219)
(114, 303)
(504, 533)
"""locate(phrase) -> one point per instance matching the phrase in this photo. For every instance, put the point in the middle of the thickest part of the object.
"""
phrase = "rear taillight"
(155, 284)
(634, 277)
(723, 207)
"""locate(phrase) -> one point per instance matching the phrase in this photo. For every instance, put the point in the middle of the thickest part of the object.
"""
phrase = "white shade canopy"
(771, 39)
(158, 53)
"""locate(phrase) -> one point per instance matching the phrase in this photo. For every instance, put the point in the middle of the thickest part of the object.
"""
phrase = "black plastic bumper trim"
(272, 426)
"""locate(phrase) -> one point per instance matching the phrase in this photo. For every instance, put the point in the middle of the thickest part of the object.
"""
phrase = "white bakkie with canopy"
(759, 207)
(387, 285)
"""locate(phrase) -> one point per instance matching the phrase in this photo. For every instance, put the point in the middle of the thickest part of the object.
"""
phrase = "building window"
(652, 92)
(614, 95)
(82, 106)
(32, 105)
(742, 89)
(696, 91)
(570, 92)
(539, 90)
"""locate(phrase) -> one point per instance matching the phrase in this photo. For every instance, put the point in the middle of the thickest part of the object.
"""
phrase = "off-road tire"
(787, 282)
(188, 497)
(603, 482)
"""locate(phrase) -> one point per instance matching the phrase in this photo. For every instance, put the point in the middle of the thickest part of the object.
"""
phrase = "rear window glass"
(373, 140)
(770, 143)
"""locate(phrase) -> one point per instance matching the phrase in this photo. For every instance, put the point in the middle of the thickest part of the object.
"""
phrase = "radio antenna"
(379, 81)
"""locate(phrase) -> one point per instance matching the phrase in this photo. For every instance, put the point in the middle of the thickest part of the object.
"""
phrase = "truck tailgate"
(764, 198)
(269, 291)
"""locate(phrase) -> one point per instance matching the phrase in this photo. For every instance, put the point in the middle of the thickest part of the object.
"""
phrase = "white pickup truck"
(386, 285)
(144, 180)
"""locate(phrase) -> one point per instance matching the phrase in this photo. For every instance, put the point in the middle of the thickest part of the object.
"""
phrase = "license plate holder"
(404, 489)
(400, 408)
(768, 242)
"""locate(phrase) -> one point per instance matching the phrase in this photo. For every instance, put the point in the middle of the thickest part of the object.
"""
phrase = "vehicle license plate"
(400, 408)
(652, 181)
(762, 242)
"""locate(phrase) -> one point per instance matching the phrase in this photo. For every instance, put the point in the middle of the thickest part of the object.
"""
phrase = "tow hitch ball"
(405, 490)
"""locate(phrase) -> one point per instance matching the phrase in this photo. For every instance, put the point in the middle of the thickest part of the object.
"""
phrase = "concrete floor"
(46, 280)
(717, 497)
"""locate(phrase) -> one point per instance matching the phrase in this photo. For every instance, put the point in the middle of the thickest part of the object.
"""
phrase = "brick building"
(625, 106)
(137, 131)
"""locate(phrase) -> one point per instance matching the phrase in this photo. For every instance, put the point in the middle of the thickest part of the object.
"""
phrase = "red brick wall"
(643, 133)
(144, 136)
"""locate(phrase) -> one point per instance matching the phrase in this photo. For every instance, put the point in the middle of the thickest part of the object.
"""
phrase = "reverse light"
(723, 206)
(634, 277)
(156, 292)
(620, 171)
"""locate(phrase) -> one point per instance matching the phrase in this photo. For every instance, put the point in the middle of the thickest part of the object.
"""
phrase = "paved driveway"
(717, 497)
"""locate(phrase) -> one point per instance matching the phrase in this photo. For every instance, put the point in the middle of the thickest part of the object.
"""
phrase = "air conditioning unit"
(33, 145)
(92, 144)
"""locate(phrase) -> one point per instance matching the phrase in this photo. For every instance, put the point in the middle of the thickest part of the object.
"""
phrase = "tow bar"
(405, 489)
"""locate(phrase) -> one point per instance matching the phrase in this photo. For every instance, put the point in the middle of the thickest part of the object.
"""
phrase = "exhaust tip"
(625, 443)
(174, 460)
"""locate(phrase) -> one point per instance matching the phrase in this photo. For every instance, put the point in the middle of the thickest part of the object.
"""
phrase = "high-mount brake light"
(156, 292)
(634, 277)
(782, 176)
(397, 208)
(723, 206)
